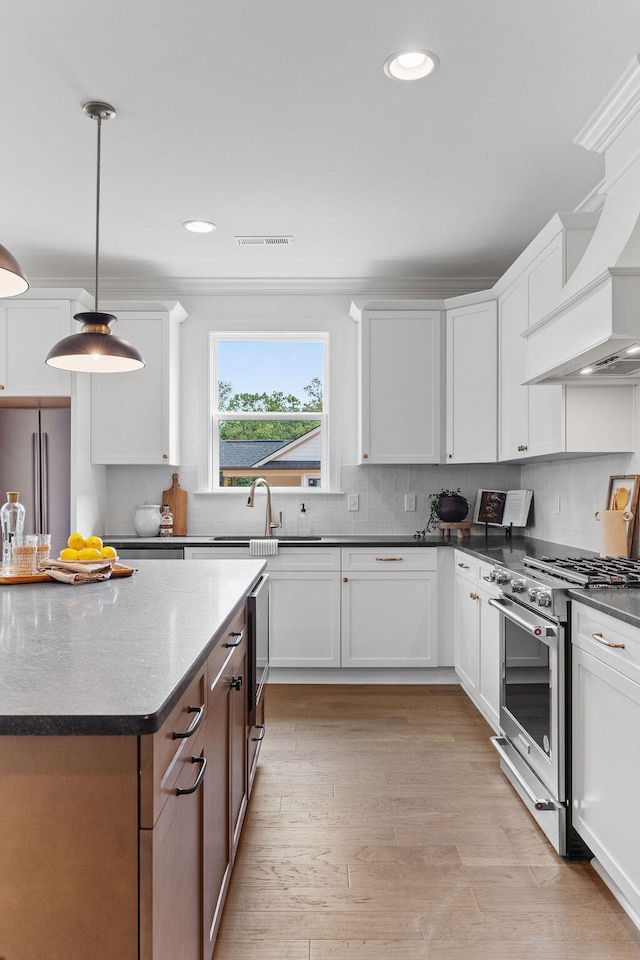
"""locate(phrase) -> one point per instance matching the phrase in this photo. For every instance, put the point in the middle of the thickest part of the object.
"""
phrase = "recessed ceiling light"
(587, 370)
(635, 349)
(411, 65)
(199, 226)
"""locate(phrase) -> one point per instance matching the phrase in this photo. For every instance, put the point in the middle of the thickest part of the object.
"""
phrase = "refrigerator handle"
(35, 443)
(44, 501)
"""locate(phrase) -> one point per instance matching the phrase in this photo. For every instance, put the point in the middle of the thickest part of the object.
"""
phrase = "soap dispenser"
(302, 522)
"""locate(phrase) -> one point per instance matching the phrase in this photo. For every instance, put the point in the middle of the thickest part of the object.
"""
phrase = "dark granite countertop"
(111, 657)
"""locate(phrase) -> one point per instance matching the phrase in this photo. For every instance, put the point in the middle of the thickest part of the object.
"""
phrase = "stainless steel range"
(535, 707)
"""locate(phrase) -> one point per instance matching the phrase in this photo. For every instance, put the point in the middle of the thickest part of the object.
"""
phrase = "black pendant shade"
(95, 349)
(12, 278)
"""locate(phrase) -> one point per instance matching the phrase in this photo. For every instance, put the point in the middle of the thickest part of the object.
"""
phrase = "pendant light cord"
(99, 122)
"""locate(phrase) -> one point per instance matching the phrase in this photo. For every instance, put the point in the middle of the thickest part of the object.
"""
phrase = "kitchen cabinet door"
(304, 618)
(401, 411)
(605, 744)
(28, 330)
(171, 865)
(135, 416)
(472, 384)
(389, 619)
(467, 657)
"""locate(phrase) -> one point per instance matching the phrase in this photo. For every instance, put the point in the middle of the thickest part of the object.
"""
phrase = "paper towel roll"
(614, 532)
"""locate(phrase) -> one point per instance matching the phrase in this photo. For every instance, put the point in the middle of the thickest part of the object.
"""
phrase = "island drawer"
(161, 752)
(607, 639)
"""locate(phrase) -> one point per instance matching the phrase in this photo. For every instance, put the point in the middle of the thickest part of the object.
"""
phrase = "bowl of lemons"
(91, 550)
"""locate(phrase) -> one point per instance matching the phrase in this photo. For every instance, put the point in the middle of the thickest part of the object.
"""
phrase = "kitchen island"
(123, 780)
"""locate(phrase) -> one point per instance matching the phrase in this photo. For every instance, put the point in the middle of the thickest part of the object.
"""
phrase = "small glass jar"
(146, 520)
(43, 547)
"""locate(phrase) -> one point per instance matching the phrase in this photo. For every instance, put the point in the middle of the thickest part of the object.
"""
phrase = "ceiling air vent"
(268, 241)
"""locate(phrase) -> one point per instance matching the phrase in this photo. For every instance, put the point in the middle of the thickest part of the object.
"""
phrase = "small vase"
(146, 520)
(452, 509)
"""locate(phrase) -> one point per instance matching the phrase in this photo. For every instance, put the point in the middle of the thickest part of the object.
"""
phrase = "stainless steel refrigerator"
(35, 460)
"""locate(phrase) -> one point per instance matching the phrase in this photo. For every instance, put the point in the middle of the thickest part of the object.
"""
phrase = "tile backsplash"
(567, 493)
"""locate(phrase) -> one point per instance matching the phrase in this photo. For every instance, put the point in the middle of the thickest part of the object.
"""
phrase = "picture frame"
(623, 495)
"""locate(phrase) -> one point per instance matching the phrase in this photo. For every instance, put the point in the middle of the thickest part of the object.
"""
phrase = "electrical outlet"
(353, 501)
(410, 501)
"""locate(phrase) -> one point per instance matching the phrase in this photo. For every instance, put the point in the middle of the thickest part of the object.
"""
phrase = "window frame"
(215, 416)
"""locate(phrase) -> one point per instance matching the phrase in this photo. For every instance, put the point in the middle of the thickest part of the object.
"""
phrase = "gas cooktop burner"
(590, 572)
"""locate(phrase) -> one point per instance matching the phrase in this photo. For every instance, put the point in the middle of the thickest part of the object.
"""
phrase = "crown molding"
(615, 112)
(175, 287)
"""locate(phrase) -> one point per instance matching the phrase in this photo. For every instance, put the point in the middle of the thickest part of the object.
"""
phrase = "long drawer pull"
(488, 579)
(389, 559)
(235, 633)
(193, 726)
(607, 643)
(181, 791)
(465, 566)
(263, 731)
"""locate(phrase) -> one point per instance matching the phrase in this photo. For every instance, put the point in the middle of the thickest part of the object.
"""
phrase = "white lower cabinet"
(380, 612)
(606, 745)
(304, 602)
(389, 608)
(477, 636)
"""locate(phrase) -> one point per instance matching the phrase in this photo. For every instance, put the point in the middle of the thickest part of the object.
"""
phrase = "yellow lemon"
(95, 542)
(69, 554)
(76, 541)
(108, 553)
(89, 553)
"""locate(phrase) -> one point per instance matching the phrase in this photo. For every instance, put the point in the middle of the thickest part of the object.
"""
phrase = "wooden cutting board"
(177, 500)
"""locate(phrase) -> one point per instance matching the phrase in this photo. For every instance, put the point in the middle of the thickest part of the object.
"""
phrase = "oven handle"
(534, 628)
(537, 802)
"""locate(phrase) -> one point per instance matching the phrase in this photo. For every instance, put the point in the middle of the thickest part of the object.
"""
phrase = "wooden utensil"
(177, 500)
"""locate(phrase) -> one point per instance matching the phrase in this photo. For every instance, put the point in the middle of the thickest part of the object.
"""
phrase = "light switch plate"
(410, 501)
(353, 501)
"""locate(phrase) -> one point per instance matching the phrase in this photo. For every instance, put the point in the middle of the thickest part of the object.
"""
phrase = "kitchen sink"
(245, 539)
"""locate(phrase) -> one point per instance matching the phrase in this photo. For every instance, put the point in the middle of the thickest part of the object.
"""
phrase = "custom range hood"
(592, 334)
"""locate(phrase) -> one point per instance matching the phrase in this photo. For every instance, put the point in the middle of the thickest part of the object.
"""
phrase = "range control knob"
(544, 599)
(501, 576)
(517, 585)
(533, 594)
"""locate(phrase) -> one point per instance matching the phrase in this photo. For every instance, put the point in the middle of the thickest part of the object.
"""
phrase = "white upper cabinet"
(135, 416)
(543, 420)
(29, 328)
(401, 354)
(472, 383)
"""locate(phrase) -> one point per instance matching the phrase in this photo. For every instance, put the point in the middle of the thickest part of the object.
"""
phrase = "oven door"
(532, 712)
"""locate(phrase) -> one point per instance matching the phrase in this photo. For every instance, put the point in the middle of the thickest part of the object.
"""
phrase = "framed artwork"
(623, 495)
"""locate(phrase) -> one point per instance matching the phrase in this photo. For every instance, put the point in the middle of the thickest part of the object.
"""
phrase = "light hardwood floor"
(381, 828)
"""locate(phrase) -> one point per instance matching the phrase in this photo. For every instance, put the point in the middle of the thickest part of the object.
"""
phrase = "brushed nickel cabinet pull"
(182, 791)
(607, 643)
(193, 726)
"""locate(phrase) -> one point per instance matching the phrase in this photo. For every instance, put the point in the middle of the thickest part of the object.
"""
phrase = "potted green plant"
(447, 505)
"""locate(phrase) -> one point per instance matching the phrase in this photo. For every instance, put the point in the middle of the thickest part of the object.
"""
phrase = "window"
(269, 411)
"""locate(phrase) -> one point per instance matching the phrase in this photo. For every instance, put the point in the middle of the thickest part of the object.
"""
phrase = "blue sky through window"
(264, 366)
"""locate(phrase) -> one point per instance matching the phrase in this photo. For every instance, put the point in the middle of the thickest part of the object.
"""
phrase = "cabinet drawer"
(232, 637)
(161, 753)
(305, 558)
(389, 558)
(612, 641)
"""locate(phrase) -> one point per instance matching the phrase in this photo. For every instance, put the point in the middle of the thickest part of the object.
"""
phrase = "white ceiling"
(276, 118)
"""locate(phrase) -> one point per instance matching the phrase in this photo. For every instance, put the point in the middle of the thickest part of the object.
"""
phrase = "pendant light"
(12, 278)
(95, 349)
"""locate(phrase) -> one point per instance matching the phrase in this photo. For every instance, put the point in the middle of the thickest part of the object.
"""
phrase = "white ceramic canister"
(146, 520)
